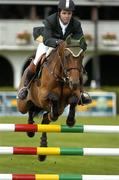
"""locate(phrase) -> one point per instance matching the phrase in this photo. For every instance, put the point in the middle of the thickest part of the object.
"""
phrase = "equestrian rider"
(57, 27)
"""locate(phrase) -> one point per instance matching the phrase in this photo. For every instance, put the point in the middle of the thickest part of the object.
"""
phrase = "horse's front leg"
(43, 142)
(54, 106)
(30, 121)
(73, 101)
(33, 111)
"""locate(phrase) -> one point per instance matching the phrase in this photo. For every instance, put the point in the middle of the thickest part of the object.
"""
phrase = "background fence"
(103, 104)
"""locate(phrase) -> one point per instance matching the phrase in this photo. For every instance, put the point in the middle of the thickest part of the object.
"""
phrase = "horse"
(53, 89)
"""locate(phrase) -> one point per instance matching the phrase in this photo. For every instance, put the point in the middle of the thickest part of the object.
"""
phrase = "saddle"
(42, 62)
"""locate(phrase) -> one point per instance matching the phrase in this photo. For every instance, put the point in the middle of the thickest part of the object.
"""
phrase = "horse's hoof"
(30, 134)
(41, 157)
(70, 122)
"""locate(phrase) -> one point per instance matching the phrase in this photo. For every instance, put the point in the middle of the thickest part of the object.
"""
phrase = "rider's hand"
(59, 41)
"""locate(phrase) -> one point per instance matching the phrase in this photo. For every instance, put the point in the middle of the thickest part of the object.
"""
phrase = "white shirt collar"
(63, 26)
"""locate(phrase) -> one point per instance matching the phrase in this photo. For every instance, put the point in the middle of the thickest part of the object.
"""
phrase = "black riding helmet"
(66, 5)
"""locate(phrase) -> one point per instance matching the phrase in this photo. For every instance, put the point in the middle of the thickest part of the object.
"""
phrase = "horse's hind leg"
(43, 142)
(71, 116)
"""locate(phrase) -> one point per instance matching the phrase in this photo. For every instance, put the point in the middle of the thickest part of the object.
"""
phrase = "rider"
(57, 27)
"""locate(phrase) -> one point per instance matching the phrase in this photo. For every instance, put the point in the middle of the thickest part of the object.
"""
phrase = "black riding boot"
(85, 97)
(22, 94)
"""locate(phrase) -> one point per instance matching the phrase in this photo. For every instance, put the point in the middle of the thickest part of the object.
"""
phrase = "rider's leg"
(85, 97)
(22, 94)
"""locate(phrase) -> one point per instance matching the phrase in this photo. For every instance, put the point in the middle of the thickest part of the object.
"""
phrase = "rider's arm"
(78, 34)
(48, 38)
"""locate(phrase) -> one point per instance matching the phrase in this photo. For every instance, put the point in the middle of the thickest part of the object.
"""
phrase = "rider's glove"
(59, 41)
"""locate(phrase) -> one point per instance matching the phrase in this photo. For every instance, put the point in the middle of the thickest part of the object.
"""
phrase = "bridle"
(65, 59)
(64, 77)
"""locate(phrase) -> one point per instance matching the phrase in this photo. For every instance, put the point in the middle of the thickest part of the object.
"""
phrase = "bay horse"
(56, 87)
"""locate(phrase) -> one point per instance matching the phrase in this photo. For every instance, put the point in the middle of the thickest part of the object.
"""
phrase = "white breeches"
(41, 49)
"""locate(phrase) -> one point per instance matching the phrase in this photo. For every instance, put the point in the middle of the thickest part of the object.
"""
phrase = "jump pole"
(60, 151)
(56, 177)
(59, 128)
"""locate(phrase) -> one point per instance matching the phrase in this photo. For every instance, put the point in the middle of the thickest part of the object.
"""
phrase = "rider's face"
(65, 16)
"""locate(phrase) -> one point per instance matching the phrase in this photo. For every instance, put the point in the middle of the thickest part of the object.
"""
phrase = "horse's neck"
(61, 49)
(55, 60)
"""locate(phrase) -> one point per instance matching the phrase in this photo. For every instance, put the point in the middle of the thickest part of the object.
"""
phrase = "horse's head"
(66, 66)
(72, 60)
(73, 68)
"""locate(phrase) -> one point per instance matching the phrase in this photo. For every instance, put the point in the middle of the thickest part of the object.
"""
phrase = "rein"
(52, 70)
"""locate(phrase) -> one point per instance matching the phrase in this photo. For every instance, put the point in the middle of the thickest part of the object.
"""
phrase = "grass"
(61, 164)
(7, 88)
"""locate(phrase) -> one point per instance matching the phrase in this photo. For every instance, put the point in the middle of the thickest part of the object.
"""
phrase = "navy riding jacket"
(52, 31)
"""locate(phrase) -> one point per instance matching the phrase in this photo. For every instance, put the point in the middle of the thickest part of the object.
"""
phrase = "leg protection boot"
(22, 94)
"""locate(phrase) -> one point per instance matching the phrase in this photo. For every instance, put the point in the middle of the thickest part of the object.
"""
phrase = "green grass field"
(61, 164)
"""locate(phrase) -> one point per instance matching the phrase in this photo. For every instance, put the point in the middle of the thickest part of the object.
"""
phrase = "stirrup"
(85, 99)
(22, 94)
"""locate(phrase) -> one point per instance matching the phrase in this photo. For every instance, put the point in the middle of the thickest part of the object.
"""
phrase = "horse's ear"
(82, 43)
(76, 42)
(70, 41)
